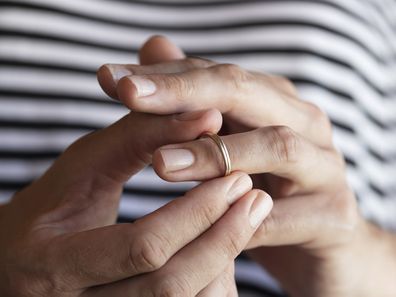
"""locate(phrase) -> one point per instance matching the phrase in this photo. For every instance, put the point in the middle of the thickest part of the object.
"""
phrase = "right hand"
(58, 238)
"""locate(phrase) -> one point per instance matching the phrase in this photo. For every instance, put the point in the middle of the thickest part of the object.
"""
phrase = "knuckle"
(232, 244)
(320, 118)
(285, 144)
(171, 286)
(206, 215)
(239, 78)
(286, 85)
(148, 252)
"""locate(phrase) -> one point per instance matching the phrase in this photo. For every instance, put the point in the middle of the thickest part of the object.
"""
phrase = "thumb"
(89, 175)
(159, 49)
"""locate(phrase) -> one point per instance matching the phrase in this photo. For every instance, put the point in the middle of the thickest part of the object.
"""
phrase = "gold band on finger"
(223, 149)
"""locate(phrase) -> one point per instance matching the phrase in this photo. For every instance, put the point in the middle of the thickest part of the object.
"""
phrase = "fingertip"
(126, 92)
(260, 207)
(194, 123)
(106, 82)
(207, 120)
(158, 165)
(213, 119)
(159, 49)
(170, 161)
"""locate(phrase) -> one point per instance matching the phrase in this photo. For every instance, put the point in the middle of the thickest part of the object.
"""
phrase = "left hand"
(326, 245)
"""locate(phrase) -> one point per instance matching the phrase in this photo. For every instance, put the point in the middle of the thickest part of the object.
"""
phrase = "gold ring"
(223, 149)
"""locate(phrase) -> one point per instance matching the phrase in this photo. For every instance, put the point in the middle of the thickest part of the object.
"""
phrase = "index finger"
(203, 260)
(251, 99)
(116, 252)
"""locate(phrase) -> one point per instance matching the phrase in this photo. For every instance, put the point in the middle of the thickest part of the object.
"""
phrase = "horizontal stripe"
(59, 112)
(70, 57)
(345, 114)
(66, 26)
(27, 155)
(145, 182)
(38, 140)
(47, 55)
(279, 63)
(301, 82)
(54, 82)
(45, 125)
(132, 13)
(51, 96)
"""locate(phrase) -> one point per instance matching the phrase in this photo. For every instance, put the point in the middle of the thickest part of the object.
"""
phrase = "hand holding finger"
(51, 246)
(147, 244)
(211, 252)
(277, 150)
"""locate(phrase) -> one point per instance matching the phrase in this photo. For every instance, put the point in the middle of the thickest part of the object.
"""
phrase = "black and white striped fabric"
(341, 54)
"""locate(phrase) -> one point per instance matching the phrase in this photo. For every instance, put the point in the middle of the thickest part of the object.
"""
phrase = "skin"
(58, 236)
(315, 242)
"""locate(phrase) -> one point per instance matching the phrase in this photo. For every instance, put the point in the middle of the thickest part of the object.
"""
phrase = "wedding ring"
(223, 149)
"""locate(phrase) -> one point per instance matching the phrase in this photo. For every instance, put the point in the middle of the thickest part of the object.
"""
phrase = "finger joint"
(148, 253)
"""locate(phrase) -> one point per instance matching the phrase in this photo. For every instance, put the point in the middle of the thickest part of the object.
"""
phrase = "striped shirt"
(341, 55)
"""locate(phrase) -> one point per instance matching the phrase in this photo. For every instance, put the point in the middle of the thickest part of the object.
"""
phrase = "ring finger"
(275, 149)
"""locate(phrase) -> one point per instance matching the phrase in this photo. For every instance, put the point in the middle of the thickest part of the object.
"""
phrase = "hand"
(201, 259)
(328, 249)
(57, 237)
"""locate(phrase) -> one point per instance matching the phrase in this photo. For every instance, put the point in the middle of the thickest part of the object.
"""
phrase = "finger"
(201, 261)
(222, 285)
(116, 252)
(159, 49)
(277, 150)
(109, 74)
(296, 221)
(92, 171)
(252, 99)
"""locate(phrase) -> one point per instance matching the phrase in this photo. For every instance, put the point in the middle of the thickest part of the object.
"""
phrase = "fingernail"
(144, 86)
(176, 159)
(118, 72)
(240, 187)
(260, 209)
